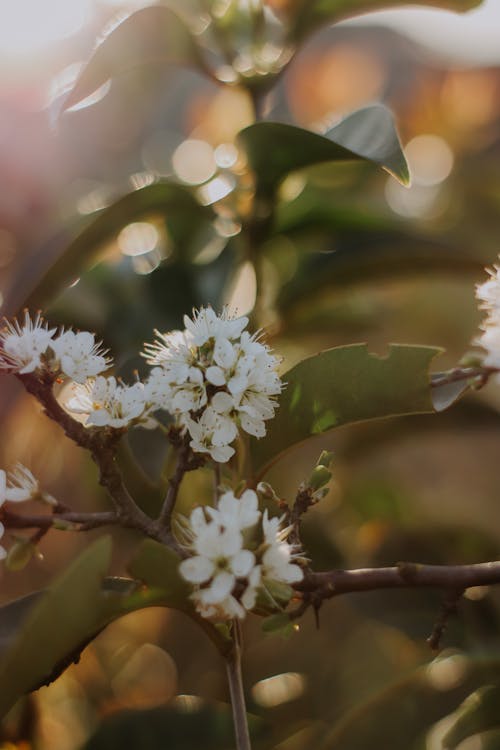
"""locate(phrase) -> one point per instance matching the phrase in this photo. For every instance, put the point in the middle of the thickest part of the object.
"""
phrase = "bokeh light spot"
(447, 672)
(138, 238)
(430, 159)
(194, 161)
(280, 688)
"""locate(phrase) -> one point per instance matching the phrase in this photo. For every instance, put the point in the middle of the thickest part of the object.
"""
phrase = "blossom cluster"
(32, 345)
(214, 378)
(236, 552)
(488, 294)
(18, 486)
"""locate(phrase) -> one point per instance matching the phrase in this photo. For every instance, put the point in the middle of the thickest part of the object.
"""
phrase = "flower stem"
(233, 668)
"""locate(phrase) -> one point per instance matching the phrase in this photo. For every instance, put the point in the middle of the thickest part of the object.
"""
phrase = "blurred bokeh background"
(354, 257)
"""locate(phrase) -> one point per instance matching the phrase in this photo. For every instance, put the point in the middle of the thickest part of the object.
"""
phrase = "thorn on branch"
(448, 608)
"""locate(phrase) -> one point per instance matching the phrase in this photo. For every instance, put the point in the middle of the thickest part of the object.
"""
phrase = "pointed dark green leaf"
(60, 621)
(158, 567)
(43, 633)
(151, 35)
(344, 385)
(275, 149)
(60, 263)
(311, 15)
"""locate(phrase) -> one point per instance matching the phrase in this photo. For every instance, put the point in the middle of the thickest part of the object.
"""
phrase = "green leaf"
(311, 15)
(407, 708)
(43, 633)
(64, 618)
(190, 725)
(344, 385)
(158, 567)
(478, 713)
(275, 149)
(151, 35)
(60, 263)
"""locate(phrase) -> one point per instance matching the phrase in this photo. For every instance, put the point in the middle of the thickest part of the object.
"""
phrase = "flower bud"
(19, 554)
(325, 459)
(320, 477)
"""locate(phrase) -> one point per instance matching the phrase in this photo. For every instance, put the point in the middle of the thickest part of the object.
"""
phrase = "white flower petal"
(197, 569)
(220, 587)
(242, 563)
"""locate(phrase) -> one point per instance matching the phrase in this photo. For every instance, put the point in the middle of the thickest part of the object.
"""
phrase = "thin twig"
(81, 521)
(164, 522)
(102, 445)
(233, 669)
(448, 608)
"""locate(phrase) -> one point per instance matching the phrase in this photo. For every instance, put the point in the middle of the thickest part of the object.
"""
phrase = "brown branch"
(81, 521)
(102, 445)
(186, 461)
(328, 584)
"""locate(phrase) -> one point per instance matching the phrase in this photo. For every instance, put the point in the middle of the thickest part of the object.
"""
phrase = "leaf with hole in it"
(61, 262)
(151, 35)
(344, 385)
(275, 149)
(307, 16)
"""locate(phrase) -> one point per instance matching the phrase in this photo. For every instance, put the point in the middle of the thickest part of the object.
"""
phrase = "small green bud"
(266, 492)
(320, 476)
(19, 555)
(325, 459)
(273, 598)
(61, 525)
(277, 623)
(471, 359)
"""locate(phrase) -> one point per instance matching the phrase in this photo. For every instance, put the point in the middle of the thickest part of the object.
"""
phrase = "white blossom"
(175, 352)
(276, 561)
(219, 561)
(235, 552)
(23, 344)
(80, 357)
(206, 325)
(109, 403)
(489, 340)
(488, 294)
(236, 512)
(489, 291)
(212, 434)
(22, 485)
(216, 379)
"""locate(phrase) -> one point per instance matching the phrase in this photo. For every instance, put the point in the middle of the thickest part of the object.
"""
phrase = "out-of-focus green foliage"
(336, 266)
(274, 150)
(308, 16)
(151, 35)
